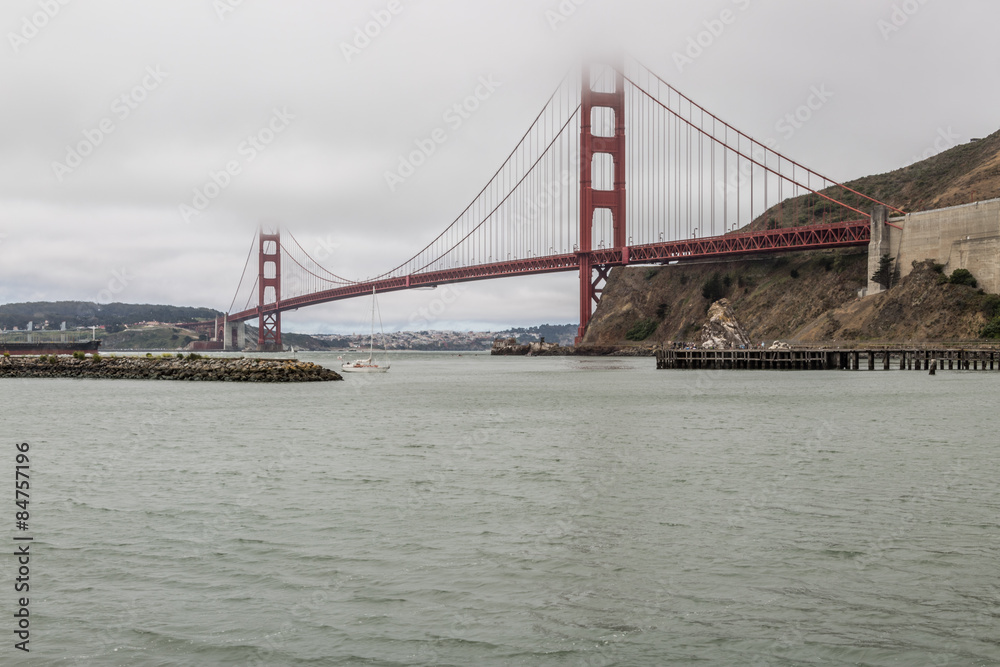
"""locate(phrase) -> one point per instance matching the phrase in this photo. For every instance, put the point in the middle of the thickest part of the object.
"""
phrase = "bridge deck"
(812, 237)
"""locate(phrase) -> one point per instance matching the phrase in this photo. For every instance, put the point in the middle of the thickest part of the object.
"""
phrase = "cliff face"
(803, 297)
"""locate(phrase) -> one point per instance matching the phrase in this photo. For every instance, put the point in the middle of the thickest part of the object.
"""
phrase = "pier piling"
(825, 359)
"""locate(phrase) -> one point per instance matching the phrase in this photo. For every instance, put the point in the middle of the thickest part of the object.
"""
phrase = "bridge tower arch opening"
(602, 105)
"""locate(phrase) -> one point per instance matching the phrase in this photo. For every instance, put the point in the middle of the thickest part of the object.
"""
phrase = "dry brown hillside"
(961, 175)
(920, 309)
(803, 297)
(771, 297)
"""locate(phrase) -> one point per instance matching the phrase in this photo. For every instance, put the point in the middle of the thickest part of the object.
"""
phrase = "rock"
(510, 347)
(722, 331)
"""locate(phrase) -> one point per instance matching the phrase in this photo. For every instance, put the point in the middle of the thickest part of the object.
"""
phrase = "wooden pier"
(830, 360)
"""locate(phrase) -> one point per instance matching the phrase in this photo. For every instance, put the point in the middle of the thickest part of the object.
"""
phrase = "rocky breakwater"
(161, 368)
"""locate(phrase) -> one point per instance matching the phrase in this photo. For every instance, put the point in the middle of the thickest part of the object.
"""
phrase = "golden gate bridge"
(618, 168)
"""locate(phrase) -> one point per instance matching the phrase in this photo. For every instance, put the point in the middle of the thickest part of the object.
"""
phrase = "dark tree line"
(86, 314)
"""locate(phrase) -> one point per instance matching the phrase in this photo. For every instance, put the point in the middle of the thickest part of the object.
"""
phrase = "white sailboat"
(370, 365)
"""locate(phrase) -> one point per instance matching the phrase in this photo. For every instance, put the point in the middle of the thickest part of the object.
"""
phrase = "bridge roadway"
(811, 237)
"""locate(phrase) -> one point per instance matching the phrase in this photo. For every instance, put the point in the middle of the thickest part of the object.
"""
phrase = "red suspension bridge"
(618, 168)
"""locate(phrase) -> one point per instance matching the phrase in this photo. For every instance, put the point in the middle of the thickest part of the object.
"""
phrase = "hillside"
(960, 175)
(149, 338)
(176, 338)
(802, 297)
(771, 297)
(812, 297)
(87, 314)
(921, 308)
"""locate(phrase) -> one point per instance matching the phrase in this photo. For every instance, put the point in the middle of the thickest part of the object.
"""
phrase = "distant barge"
(25, 348)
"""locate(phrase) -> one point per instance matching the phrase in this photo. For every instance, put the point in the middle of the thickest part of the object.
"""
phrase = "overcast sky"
(162, 94)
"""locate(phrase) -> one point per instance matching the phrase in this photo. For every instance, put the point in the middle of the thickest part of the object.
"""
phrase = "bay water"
(476, 510)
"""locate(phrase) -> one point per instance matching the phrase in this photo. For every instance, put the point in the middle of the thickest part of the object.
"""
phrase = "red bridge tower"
(591, 200)
(269, 282)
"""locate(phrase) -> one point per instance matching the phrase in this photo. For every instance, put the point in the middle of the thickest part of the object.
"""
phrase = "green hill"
(115, 316)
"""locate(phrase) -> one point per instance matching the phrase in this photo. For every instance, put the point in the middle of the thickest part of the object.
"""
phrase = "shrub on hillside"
(885, 274)
(962, 277)
(713, 289)
(990, 305)
(642, 330)
(992, 329)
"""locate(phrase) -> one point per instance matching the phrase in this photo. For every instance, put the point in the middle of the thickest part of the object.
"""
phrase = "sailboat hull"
(363, 368)
(368, 365)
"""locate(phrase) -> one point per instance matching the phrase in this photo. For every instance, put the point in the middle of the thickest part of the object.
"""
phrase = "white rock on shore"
(722, 331)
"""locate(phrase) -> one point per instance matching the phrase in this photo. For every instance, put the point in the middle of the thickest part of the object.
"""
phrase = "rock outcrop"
(161, 368)
(722, 331)
(510, 347)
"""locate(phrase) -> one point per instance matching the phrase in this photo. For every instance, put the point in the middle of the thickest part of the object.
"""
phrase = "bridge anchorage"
(618, 168)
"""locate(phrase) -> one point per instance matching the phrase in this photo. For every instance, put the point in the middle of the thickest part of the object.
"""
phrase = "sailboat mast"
(371, 339)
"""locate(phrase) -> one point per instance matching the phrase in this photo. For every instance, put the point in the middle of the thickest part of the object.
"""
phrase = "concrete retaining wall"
(960, 237)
